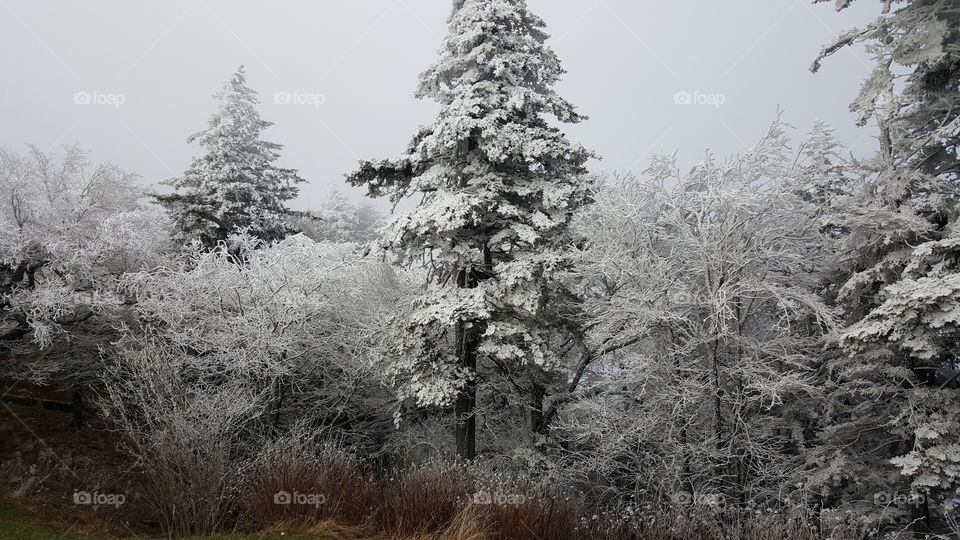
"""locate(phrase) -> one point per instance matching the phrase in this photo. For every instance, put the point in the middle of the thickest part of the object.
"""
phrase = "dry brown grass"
(453, 502)
(711, 523)
(528, 512)
(425, 499)
(332, 478)
(467, 525)
(434, 502)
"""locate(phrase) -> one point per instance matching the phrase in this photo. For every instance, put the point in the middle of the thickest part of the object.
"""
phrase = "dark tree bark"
(539, 426)
(465, 406)
(276, 405)
(76, 402)
(467, 340)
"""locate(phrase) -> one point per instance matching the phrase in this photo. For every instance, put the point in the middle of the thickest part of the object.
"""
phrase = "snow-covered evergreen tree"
(822, 173)
(235, 185)
(919, 107)
(340, 221)
(893, 391)
(499, 186)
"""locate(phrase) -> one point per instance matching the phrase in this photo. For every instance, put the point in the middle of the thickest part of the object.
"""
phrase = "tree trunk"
(920, 524)
(49, 404)
(920, 517)
(466, 427)
(720, 460)
(76, 402)
(276, 404)
(686, 471)
(467, 339)
(538, 422)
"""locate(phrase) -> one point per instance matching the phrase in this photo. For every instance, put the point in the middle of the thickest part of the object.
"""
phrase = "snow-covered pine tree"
(338, 220)
(893, 392)
(234, 185)
(822, 173)
(499, 186)
(919, 106)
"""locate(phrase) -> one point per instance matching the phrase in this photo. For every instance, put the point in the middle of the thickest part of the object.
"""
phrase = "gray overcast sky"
(626, 59)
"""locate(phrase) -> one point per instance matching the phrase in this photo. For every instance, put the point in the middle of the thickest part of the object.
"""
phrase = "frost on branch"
(69, 229)
(701, 292)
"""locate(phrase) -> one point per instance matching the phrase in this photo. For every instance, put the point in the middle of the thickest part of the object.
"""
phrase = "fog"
(349, 70)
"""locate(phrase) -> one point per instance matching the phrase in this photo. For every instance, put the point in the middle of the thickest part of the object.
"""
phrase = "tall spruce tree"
(894, 397)
(499, 186)
(235, 185)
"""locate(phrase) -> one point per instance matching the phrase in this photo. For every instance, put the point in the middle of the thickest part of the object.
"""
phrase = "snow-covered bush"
(299, 324)
(705, 322)
(188, 433)
(69, 229)
(242, 345)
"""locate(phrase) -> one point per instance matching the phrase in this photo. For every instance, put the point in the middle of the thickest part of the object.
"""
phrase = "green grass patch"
(16, 524)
